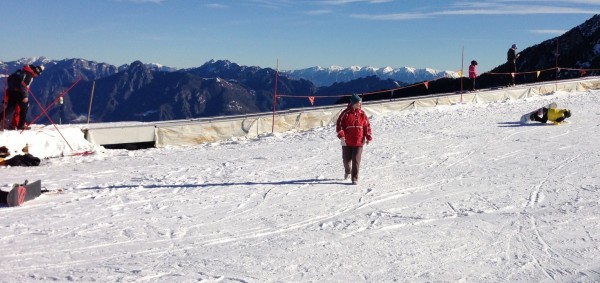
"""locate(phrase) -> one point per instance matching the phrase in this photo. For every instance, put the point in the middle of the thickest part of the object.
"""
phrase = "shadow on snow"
(519, 124)
(208, 185)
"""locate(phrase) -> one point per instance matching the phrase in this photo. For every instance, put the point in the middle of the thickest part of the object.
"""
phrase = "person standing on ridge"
(473, 74)
(18, 94)
(511, 57)
(354, 130)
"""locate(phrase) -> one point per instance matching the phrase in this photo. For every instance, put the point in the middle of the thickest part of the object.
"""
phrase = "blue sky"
(297, 33)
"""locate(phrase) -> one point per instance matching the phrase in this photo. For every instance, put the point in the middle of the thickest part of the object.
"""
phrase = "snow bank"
(47, 142)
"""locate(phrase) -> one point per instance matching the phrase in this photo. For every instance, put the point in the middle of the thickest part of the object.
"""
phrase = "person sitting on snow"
(555, 115)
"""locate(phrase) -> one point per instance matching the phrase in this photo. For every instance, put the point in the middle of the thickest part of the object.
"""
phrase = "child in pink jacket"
(473, 73)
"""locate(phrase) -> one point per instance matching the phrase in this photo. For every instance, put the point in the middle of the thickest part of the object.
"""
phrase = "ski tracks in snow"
(536, 193)
(438, 200)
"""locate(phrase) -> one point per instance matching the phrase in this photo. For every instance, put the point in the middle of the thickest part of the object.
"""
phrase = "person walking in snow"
(473, 74)
(17, 93)
(354, 130)
(511, 57)
(554, 115)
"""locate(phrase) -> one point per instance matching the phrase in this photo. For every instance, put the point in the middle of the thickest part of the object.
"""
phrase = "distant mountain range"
(319, 76)
(145, 92)
(327, 76)
(84, 64)
(152, 92)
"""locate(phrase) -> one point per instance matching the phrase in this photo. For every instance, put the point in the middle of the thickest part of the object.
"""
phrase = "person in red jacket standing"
(354, 130)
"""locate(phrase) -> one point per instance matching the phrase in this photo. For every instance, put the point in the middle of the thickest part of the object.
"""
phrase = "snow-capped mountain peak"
(38, 60)
(321, 76)
(387, 70)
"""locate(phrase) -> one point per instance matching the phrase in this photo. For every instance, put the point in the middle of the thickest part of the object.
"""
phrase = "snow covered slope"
(455, 193)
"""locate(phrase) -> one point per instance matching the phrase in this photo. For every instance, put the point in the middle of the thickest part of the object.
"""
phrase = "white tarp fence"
(192, 133)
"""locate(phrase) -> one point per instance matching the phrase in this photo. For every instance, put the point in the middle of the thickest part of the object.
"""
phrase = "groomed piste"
(457, 192)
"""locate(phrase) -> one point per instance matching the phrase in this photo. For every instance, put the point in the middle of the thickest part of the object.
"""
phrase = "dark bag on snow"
(23, 160)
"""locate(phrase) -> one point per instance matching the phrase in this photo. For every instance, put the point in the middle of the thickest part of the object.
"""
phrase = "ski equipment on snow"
(526, 118)
(21, 193)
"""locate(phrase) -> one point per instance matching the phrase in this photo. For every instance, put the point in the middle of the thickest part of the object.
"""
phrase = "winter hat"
(355, 98)
(567, 113)
(514, 46)
(37, 69)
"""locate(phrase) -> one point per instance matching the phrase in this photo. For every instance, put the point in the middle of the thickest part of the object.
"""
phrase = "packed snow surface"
(454, 193)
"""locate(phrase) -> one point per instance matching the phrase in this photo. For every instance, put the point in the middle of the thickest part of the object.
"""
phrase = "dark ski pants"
(351, 156)
(3, 196)
(512, 69)
(15, 98)
(544, 117)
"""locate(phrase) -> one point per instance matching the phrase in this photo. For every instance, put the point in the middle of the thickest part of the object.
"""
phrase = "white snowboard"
(526, 118)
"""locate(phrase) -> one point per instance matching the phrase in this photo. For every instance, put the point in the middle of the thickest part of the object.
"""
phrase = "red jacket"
(354, 126)
(473, 71)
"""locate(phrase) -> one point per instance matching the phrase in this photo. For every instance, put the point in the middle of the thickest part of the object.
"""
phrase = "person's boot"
(24, 127)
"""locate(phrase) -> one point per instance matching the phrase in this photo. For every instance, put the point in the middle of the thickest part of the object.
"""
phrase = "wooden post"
(275, 96)
(462, 74)
(91, 99)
